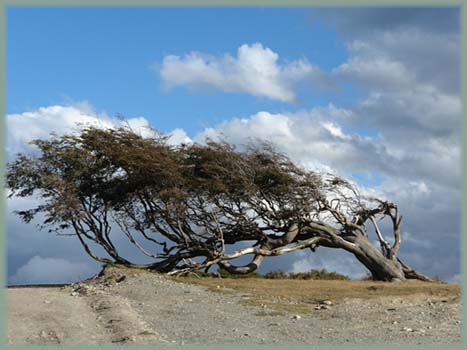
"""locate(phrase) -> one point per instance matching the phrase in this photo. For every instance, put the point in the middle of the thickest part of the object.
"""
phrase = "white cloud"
(314, 138)
(51, 270)
(255, 70)
(178, 136)
(39, 124)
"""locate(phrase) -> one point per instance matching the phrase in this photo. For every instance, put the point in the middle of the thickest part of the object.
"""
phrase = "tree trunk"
(381, 268)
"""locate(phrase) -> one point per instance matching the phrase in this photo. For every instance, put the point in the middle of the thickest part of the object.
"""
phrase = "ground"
(133, 306)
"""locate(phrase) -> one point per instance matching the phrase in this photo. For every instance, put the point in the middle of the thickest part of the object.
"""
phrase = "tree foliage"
(185, 207)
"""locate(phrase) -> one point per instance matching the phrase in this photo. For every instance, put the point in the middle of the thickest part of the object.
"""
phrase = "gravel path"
(149, 308)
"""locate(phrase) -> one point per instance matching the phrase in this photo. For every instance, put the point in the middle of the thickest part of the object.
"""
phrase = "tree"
(185, 207)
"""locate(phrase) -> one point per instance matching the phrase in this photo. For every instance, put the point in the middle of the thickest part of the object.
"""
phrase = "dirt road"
(132, 307)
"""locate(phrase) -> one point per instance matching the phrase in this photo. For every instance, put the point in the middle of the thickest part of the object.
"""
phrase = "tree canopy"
(183, 206)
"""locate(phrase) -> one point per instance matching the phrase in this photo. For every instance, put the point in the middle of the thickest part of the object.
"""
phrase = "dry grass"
(302, 295)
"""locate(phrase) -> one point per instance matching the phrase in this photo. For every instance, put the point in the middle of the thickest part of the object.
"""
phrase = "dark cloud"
(364, 21)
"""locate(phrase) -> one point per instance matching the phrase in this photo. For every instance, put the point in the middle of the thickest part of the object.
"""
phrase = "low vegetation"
(322, 274)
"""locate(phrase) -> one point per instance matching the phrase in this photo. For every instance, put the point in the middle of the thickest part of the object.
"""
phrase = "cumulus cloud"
(51, 270)
(255, 70)
(314, 138)
(178, 136)
(40, 123)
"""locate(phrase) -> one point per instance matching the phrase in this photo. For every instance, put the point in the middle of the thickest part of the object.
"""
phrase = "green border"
(264, 3)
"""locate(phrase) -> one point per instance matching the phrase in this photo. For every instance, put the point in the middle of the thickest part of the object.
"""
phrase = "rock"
(326, 302)
(391, 309)
(395, 279)
(296, 317)
(120, 279)
(47, 301)
(395, 322)
(73, 294)
(325, 307)
(318, 307)
(407, 329)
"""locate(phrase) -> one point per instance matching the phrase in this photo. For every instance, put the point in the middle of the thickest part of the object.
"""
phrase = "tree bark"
(380, 267)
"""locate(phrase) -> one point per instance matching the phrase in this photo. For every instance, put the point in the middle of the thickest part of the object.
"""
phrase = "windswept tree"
(186, 207)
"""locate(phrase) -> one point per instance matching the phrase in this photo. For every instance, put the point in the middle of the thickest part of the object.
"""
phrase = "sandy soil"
(125, 306)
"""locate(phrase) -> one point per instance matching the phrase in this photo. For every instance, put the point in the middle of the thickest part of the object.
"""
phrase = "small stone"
(296, 317)
(407, 329)
(73, 294)
(47, 301)
(325, 307)
(429, 327)
(395, 322)
(395, 279)
(326, 302)
(391, 309)
(120, 279)
(218, 287)
(246, 335)
(318, 307)
(458, 322)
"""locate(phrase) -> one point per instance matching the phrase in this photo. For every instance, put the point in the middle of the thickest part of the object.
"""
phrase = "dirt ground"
(129, 306)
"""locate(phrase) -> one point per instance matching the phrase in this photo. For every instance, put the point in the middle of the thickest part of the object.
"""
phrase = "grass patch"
(322, 274)
(312, 291)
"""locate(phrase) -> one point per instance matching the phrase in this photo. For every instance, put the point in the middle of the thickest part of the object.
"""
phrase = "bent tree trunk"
(381, 267)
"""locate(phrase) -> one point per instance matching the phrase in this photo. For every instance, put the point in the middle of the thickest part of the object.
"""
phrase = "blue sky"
(368, 93)
(107, 57)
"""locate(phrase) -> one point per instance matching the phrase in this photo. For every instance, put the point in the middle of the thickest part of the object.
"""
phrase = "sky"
(371, 94)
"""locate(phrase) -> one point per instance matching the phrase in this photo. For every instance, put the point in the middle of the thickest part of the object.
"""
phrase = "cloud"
(179, 136)
(255, 70)
(397, 60)
(330, 259)
(364, 21)
(51, 270)
(40, 123)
